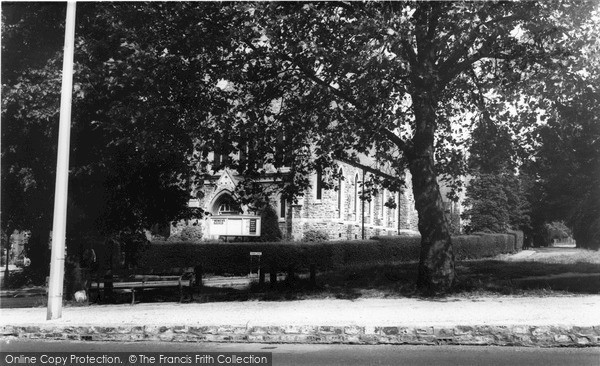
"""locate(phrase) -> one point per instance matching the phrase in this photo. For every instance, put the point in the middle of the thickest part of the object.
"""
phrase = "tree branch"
(452, 63)
(404, 146)
(409, 53)
(464, 65)
(427, 17)
(312, 76)
(434, 20)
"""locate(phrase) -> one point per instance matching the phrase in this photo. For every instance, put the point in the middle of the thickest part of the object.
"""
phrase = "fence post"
(198, 277)
(290, 273)
(273, 274)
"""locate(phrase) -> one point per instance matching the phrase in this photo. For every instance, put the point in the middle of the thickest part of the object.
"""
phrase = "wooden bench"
(132, 281)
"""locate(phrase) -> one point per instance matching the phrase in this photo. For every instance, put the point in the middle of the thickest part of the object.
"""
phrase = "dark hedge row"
(519, 238)
(234, 258)
(472, 246)
(482, 246)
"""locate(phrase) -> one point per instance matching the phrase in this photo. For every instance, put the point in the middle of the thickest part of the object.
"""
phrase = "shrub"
(29, 276)
(269, 225)
(315, 236)
(192, 233)
(557, 230)
(172, 239)
(131, 243)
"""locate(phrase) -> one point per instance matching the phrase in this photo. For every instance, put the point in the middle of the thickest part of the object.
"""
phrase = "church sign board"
(233, 225)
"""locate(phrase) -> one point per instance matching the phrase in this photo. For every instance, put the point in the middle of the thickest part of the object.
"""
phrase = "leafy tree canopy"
(566, 169)
(160, 85)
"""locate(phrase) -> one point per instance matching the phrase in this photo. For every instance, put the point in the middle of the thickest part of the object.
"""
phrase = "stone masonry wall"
(324, 214)
(539, 336)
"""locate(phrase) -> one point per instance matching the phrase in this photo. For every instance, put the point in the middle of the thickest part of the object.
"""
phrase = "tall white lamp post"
(59, 227)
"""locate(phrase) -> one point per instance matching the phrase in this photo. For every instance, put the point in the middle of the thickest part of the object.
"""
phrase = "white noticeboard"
(233, 225)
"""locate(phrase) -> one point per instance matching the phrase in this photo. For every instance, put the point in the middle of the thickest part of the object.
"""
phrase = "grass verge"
(547, 273)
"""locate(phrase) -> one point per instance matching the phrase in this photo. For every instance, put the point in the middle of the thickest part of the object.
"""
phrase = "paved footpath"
(523, 321)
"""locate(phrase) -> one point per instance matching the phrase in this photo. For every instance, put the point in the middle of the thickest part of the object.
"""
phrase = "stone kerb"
(539, 336)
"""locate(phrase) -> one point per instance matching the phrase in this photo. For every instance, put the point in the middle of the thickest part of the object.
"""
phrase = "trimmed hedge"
(234, 258)
(481, 246)
(519, 239)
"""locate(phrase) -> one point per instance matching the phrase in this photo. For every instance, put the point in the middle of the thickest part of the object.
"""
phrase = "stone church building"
(339, 213)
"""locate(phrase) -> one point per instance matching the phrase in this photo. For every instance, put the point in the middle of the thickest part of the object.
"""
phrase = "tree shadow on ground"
(397, 280)
(527, 276)
(474, 277)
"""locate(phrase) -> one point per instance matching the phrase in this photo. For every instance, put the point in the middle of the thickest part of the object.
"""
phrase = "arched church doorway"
(228, 220)
(225, 204)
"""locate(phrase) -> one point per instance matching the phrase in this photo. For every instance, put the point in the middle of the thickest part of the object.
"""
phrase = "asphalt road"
(299, 354)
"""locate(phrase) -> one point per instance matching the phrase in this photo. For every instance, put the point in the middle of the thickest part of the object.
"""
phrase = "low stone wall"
(539, 336)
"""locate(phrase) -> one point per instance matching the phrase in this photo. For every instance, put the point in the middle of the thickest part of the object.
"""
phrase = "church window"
(370, 209)
(319, 185)
(383, 207)
(356, 195)
(340, 194)
(282, 207)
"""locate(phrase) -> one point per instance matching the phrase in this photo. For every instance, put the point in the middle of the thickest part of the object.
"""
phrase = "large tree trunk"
(436, 262)
(7, 247)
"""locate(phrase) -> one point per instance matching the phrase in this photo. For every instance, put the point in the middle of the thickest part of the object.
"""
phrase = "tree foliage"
(126, 173)
(391, 79)
(28, 152)
(567, 170)
(495, 195)
(564, 168)
(291, 87)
